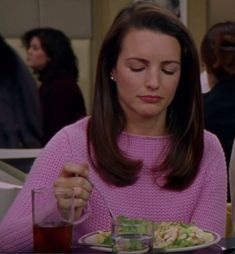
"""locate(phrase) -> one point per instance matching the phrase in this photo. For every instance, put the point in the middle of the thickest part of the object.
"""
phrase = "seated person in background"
(20, 115)
(51, 57)
(218, 55)
(20, 118)
(144, 142)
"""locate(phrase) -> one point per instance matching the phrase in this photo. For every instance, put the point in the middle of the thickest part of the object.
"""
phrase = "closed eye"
(169, 72)
(137, 69)
(170, 68)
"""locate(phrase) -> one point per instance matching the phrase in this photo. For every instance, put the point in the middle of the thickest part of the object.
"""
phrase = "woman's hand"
(75, 176)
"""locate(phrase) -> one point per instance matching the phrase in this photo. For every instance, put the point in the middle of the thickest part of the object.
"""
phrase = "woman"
(144, 146)
(50, 55)
(218, 55)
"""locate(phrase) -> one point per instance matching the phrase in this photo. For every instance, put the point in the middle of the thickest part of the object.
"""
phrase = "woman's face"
(37, 58)
(147, 74)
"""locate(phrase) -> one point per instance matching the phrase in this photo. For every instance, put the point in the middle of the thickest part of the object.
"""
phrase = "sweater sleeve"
(211, 207)
(16, 227)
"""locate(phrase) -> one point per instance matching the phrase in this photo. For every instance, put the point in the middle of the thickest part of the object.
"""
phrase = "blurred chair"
(19, 158)
(11, 181)
(232, 185)
(20, 153)
(11, 174)
(7, 196)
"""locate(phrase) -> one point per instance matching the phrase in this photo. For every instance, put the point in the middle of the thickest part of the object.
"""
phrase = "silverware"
(226, 249)
(102, 196)
(105, 201)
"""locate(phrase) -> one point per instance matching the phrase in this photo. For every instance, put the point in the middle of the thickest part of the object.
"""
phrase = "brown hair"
(58, 48)
(184, 117)
(218, 50)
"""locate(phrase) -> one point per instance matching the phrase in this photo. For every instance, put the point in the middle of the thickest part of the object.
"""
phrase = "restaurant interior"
(86, 22)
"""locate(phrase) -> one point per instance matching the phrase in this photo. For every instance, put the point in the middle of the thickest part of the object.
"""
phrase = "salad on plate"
(168, 235)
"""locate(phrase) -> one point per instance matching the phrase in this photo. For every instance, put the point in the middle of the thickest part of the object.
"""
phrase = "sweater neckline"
(138, 136)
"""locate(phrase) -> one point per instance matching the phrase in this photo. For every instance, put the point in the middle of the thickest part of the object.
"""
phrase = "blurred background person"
(51, 57)
(20, 120)
(218, 55)
(20, 116)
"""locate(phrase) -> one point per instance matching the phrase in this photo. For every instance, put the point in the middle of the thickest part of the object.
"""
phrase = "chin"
(32, 67)
(149, 115)
(150, 112)
(29, 64)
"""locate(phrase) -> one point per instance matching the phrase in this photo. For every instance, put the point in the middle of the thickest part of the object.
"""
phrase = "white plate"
(216, 239)
(91, 239)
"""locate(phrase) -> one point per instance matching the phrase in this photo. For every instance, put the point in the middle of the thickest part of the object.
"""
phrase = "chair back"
(10, 174)
(11, 181)
(19, 153)
(20, 158)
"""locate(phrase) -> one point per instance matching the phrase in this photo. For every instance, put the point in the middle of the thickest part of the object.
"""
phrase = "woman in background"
(50, 55)
(218, 56)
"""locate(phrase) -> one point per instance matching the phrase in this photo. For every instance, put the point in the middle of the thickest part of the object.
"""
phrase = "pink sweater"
(203, 203)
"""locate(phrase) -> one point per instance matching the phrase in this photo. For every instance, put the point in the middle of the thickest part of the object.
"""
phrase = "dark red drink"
(52, 238)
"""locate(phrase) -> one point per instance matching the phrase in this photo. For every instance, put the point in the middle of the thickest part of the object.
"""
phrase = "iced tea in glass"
(52, 220)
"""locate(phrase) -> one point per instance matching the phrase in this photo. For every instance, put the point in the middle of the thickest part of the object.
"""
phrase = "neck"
(147, 128)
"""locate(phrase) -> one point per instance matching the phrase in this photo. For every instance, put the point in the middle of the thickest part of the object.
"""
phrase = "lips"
(150, 98)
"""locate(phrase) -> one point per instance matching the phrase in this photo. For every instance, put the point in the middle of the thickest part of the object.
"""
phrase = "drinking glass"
(132, 236)
(53, 213)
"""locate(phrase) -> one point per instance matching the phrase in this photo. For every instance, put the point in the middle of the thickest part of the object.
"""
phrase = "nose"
(153, 80)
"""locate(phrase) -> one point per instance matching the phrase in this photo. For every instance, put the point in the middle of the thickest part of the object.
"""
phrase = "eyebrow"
(145, 61)
(172, 61)
(136, 59)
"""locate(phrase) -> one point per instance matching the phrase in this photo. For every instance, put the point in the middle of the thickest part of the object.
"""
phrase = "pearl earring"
(111, 76)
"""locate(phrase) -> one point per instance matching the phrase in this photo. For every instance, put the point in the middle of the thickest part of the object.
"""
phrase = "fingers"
(67, 203)
(81, 192)
(73, 182)
(80, 198)
(72, 169)
(78, 201)
(74, 177)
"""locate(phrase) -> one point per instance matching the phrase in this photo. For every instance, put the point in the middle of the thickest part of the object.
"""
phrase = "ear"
(113, 74)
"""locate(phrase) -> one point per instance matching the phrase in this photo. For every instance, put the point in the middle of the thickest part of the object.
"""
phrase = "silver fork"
(105, 201)
(226, 249)
(102, 196)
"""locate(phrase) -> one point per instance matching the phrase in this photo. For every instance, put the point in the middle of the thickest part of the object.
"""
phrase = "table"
(215, 249)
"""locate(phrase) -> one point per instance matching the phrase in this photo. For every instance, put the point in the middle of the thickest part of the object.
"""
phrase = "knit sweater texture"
(203, 203)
